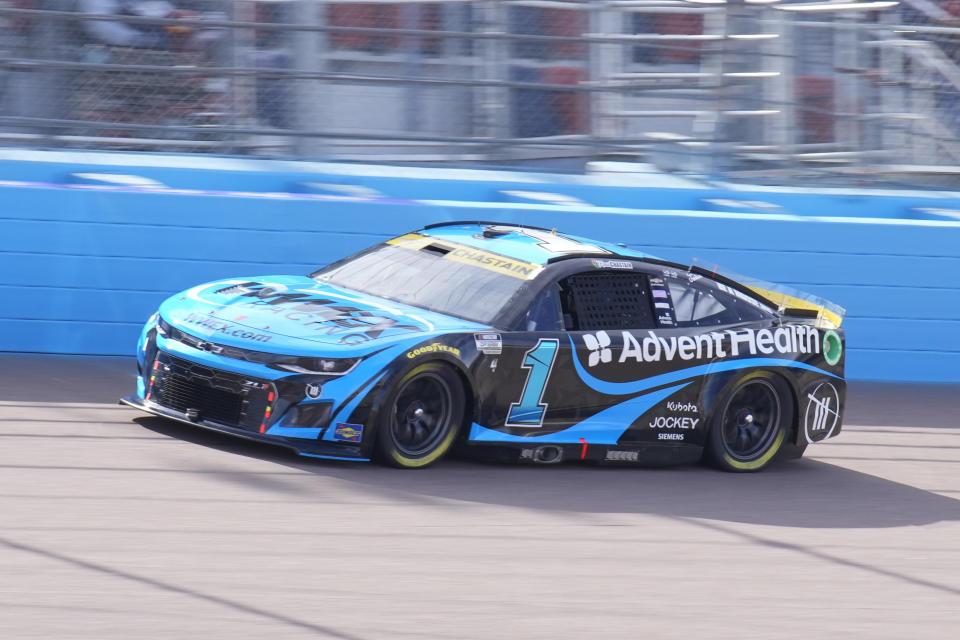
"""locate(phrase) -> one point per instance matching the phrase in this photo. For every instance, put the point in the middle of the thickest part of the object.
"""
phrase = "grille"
(217, 396)
(212, 404)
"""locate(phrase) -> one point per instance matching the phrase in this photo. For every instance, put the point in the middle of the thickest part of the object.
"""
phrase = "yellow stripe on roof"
(468, 255)
(413, 241)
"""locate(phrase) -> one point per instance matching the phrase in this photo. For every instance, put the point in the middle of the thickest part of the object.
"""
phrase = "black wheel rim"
(751, 419)
(421, 414)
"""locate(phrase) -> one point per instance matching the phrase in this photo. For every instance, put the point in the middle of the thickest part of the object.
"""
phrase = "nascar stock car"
(508, 342)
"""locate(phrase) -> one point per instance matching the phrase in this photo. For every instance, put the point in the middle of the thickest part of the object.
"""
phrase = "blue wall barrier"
(81, 268)
(668, 193)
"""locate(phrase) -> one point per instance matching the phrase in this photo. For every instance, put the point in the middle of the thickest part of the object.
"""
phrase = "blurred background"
(761, 90)
(808, 143)
(144, 148)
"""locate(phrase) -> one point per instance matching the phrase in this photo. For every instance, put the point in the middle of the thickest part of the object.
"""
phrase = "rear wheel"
(421, 417)
(750, 428)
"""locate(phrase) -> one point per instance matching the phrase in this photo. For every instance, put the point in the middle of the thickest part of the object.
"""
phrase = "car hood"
(296, 314)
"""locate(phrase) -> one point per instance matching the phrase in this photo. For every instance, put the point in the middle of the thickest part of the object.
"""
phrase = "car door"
(514, 372)
(643, 340)
(608, 312)
(611, 354)
(575, 328)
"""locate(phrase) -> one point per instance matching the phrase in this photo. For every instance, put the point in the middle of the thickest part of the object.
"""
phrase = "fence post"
(715, 127)
(411, 19)
(892, 90)
(309, 55)
(604, 63)
(51, 86)
(495, 103)
(781, 92)
(849, 106)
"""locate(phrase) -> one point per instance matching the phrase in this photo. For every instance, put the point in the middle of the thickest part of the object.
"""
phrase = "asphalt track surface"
(116, 525)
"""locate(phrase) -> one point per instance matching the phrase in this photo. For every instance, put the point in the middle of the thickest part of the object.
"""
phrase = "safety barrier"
(613, 188)
(85, 260)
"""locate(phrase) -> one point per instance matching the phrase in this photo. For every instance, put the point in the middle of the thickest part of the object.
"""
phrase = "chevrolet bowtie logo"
(209, 347)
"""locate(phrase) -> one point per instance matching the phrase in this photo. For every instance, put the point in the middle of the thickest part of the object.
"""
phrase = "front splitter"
(323, 451)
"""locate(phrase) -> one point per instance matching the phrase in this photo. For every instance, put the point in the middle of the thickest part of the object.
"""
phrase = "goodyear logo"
(348, 432)
(436, 347)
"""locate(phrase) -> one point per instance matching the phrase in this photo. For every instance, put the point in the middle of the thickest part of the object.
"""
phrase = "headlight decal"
(316, 366)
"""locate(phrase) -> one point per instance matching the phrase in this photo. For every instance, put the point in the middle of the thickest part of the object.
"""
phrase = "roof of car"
(534, 245)
(532, 248)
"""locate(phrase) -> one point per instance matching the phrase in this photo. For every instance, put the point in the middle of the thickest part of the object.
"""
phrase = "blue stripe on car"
(323, 457)
(636, 386)
(605, 427)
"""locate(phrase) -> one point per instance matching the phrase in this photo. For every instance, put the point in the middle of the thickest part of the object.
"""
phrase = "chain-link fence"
(756, 87)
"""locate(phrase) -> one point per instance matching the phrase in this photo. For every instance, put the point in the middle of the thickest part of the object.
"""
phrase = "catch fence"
(755, 88)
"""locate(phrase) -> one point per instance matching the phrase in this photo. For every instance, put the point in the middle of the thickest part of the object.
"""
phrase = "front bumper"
(315, 449)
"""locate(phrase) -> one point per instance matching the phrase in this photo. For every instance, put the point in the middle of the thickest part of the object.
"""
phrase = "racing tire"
(421, 417)
(751, 424)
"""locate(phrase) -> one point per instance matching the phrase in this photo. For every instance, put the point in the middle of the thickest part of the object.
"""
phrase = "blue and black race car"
(507, 342)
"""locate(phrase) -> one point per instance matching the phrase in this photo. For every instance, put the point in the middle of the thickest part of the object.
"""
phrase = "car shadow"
(881, 404)
(800, 493)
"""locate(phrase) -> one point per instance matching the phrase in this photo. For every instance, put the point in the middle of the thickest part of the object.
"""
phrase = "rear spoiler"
(787, 300)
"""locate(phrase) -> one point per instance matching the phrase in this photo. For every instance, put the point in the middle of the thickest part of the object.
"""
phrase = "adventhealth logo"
(598, 345)
(652, 347)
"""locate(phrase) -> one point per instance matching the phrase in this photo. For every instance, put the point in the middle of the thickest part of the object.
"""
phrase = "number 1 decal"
(529, 411)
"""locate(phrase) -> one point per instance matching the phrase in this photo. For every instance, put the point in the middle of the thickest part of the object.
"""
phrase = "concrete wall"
(81, 267)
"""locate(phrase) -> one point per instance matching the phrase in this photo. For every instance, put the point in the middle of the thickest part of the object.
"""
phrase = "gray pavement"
(116, 525)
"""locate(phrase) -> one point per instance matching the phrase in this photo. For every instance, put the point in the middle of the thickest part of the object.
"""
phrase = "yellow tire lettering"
(413, 463)
(752, 465)
(427, 459)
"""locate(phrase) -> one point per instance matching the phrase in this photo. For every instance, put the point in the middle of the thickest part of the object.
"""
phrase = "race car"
(506, 342)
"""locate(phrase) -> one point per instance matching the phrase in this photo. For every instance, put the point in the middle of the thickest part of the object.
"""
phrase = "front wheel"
(751, 425)
(421, 417)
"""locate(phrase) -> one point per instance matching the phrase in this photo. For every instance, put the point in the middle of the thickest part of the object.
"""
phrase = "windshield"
(438, 276)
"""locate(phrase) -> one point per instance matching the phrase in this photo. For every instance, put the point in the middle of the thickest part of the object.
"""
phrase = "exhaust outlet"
(548, 454)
